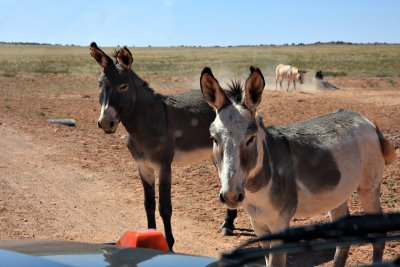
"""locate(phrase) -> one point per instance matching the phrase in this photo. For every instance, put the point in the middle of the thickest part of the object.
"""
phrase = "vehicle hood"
(64, 253)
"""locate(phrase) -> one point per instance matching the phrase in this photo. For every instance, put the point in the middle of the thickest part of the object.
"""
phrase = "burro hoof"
(226, 231)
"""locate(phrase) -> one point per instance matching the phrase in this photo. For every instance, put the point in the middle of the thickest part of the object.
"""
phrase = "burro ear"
(109, 68)
(102, 58)
(253, 88)
(212, 91)
(124, 57)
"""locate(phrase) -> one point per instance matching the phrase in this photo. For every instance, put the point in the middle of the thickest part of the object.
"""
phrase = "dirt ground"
(76, 183)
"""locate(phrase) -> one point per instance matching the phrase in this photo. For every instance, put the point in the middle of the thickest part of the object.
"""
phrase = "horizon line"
(210, 46)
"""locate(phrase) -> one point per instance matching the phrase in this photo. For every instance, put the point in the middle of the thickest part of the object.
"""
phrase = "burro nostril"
(98, 124)
(221, 198)
(111, 124)
(240, 197)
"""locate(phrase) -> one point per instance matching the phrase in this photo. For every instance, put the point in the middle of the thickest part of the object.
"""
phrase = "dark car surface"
(42, 253)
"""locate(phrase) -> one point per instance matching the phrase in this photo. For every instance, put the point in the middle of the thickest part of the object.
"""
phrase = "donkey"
(163, 129)
(290, 73)
(302, 169)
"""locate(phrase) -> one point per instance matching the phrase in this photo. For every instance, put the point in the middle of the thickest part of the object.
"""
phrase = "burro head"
(234, 131)
(300, 76)
(116, 86)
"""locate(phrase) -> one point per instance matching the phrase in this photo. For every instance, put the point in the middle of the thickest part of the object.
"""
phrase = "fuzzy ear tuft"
(254, 69)
(94, 45)
(208, 71)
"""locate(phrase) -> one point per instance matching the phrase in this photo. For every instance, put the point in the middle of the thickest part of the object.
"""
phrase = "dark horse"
(163, 129)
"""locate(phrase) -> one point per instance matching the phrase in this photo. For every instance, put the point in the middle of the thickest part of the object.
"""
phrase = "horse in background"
(289, 73)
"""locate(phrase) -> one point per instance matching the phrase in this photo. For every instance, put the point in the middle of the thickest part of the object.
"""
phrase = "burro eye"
(214, 140)
(123, 87)
(250, 140)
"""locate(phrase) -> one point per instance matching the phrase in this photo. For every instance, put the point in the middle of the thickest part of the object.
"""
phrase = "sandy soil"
(75, 183)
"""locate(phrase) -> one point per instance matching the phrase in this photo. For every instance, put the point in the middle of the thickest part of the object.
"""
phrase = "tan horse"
(290, 73)
(303, 169)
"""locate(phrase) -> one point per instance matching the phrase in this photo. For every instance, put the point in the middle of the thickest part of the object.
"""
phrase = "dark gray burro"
(298, 170)
(162, 129)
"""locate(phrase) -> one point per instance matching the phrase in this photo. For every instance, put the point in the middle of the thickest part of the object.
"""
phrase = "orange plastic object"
(144, 238)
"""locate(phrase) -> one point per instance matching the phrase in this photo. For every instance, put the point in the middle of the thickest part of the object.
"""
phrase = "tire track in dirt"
(67, 202)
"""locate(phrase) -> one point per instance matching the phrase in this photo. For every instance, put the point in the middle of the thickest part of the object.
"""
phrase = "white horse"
(303, 169)
(290, 73)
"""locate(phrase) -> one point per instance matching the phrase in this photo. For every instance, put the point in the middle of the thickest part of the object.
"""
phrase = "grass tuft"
(7, 104)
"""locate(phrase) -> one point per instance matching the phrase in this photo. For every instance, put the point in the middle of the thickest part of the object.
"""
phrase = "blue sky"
(198, 22)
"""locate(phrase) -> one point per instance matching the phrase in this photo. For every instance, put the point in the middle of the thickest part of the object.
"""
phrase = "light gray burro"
(303, 169)
(163, 129)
